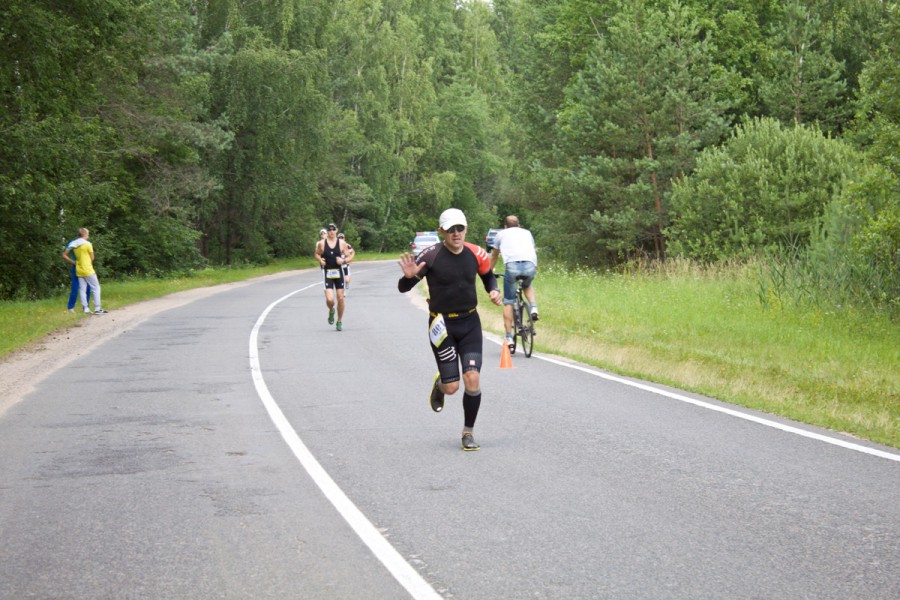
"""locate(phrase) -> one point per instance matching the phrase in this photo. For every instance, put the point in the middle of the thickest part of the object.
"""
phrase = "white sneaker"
(71, 310)
(100, 311)
(87, 311)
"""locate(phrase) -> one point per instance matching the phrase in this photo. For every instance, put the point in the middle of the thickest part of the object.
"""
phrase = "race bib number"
(438, 331)
(333, 273)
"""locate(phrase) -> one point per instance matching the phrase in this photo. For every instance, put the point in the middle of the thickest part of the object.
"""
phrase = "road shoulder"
(22, 370)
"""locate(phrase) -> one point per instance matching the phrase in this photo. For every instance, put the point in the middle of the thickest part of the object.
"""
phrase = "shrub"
(766, 186)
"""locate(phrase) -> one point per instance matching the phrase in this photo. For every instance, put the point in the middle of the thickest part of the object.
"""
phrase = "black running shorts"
(463, 346)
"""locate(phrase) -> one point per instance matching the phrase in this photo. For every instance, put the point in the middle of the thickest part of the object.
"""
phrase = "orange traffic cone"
(505, 357)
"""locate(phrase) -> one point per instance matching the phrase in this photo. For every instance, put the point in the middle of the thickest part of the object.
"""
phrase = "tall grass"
(705, 329)
(831, 281)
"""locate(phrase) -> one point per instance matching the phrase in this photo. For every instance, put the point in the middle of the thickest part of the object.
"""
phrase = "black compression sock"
(471, 403)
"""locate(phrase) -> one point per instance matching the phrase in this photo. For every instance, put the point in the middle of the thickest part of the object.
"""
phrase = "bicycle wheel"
(526, 328)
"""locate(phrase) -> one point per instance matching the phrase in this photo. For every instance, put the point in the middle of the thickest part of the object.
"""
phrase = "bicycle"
(523, 324)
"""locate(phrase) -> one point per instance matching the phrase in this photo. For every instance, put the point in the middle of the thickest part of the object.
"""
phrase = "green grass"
(25, 322)
(699, 329)
(705, 330)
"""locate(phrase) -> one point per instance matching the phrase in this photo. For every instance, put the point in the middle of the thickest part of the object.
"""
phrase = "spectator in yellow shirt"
(84, 269)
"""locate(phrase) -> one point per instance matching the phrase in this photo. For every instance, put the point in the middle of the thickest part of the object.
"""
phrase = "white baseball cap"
(451, 217)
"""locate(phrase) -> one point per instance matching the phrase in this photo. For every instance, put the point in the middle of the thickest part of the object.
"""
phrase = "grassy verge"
(696, 329)
(25, 322)
(705, 330)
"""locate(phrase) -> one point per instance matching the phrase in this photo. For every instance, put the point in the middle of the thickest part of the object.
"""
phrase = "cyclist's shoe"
(534, 313)
(340, 326)
(331, 317)
(510, 341)
(468, 443)
(436, 398)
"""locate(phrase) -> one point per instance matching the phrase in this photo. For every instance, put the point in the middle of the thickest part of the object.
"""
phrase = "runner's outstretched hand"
(409, 266)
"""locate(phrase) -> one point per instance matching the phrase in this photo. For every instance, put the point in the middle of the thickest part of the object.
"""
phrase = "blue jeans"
(513, 270)
(73, 295)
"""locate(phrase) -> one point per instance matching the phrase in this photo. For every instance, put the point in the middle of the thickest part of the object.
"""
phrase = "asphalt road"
(240, 447)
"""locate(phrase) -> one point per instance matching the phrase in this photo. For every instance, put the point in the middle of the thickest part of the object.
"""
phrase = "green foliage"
(878, 111)
(857, 249)
(802, 80)
(382, 89)
(158, 107)
(272, 101)
(55, 171)
(647, 99)
(766, 186)
(737, 32)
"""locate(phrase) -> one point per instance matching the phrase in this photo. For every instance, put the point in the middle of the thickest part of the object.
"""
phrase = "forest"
(187, 133)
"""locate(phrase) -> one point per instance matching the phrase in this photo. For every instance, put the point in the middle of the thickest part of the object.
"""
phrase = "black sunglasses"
(332, 229)
(456, 229)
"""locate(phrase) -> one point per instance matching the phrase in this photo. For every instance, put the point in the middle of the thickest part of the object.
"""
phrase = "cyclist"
(449, 269)
(516, 245)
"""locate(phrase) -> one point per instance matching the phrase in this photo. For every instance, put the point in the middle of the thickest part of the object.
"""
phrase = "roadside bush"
(859, 241)
(766, 186)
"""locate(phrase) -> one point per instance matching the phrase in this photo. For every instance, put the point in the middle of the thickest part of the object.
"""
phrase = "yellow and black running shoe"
(436, 398)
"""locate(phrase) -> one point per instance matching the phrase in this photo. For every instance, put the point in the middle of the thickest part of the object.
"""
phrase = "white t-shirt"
(515, 244)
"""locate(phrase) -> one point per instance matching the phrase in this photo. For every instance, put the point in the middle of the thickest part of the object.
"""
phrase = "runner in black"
(454, 325)
(329, 253)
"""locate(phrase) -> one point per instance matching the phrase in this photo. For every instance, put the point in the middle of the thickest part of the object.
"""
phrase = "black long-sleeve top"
(451, 277)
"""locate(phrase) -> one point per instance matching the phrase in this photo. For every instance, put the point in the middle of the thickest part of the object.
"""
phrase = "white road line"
(402, 571)
(727, 411)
